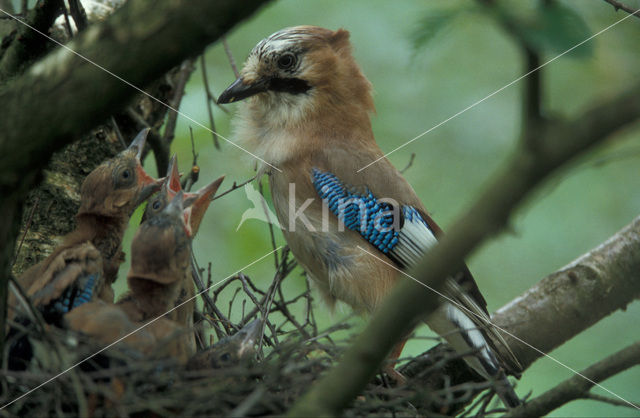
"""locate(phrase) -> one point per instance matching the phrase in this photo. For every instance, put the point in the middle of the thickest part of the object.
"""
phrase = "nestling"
(307, 112)
(86, 264)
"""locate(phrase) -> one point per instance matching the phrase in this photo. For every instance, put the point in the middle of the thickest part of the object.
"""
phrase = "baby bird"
(308, 114)
(197, 204)
(86, 264)
(160, 275)
(160, 262)
(229, 351)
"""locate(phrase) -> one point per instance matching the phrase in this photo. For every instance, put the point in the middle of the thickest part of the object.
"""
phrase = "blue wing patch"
(398, 231)
(75, 296)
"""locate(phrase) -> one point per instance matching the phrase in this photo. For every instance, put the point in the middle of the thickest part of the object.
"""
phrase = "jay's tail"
(467, 328)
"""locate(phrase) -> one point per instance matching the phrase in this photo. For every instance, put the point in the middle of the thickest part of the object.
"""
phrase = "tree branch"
(576, 386)
(595, 285)
(621, 6)
(78, 14)
(409, 301)
(27, 44)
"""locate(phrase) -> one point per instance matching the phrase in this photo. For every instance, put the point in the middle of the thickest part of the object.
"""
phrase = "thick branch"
(577, 386)
(27, 44)
(409, 301)
(139, 43)
(595, 285)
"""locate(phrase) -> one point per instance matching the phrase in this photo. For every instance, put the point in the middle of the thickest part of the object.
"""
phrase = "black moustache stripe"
(289, 85)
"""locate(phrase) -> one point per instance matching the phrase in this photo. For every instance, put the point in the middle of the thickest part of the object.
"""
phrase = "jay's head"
(195, 204)
(299, 72)
(118, 186)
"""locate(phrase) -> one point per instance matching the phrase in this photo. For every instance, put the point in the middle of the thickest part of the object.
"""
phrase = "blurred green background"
(469, 57)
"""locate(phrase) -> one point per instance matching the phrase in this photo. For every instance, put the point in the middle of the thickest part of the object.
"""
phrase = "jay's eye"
(125, 174)
(156, 205)
(286, 61)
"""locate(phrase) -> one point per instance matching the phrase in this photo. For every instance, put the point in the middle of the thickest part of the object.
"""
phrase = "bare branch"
(609, 400)
(232, 61)
(78, 14)
(209, 99)
(562, 296)
(577, 386)
(621, 6)
(410, 163)
(27, 44)
(184, 73)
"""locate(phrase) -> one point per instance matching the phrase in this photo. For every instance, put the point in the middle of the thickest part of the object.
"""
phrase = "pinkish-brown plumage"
(308, 111)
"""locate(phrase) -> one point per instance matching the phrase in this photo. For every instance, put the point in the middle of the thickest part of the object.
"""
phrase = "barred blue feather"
(74, 296)
(400, 232)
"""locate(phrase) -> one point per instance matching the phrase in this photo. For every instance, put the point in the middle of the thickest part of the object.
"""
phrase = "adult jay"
(307, 113)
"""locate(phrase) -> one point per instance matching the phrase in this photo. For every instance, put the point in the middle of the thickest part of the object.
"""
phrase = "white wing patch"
(414, 240)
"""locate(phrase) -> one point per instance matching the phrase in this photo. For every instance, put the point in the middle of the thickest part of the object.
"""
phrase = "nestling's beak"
(173, 182)
(199, 202)
(147, 184)
(139, 141)
(240, 90)
(247, 337)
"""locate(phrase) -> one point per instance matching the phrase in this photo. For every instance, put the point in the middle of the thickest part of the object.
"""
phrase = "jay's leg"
(390, 369)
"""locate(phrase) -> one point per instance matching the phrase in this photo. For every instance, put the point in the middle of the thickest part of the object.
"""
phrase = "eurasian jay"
(160, 274)
(229, 351)
(196, 205)
(86, 263)
(308, 115)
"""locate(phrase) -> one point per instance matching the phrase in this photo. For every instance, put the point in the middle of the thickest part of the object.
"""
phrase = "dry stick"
(234, 187)
(266, 211)
(606, 399)
(410, 301)
(532, 119)
(620, 6)
(213, 309)
(159, 147)
(26, 228)
(118, 133)
(194, 173)
(209, 99)
(195, 274)
(410, 163)
(576, 387)
(78, 14)
(67, 23)
(232, 61)
(184, 73)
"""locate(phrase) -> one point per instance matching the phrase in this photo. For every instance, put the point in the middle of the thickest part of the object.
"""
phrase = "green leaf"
(555, 28)
(431, 24)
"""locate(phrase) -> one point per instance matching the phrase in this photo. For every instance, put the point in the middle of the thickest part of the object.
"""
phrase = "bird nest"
(70, 375)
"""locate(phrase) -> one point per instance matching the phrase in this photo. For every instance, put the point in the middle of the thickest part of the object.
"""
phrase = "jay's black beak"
(240, 90)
